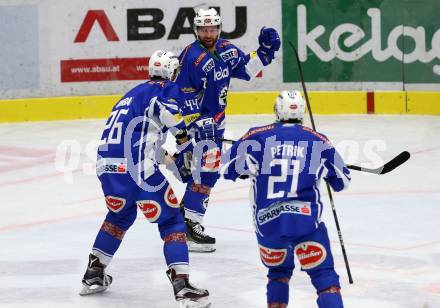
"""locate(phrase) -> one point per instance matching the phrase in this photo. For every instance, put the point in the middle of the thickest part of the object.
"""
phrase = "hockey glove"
(183, 159)
(206, 128)
(270, 42)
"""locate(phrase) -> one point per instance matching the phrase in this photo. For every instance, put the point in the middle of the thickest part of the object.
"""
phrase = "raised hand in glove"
(269, 42)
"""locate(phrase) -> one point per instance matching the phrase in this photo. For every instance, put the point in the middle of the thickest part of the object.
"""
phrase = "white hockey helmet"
(163, 64)
(290, 105)
(207, 17)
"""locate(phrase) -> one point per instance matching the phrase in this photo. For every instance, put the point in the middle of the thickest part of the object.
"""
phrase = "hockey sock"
(278, 292)
(330, 298)
(107, 242)
(195, 201)
(176, 252)
(175, 249)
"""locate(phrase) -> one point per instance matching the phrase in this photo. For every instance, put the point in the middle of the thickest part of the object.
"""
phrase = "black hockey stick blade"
(389, 166)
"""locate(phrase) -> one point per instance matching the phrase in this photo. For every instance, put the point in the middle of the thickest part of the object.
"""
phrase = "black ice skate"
(197, 240)
(95, 279)
(186, 294)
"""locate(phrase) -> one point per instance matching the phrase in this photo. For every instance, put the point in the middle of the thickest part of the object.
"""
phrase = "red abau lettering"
(89, 21)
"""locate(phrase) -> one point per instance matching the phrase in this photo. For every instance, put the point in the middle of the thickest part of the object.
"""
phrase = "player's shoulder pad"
(196, 55)
(223, 44)
(172, 90)
(197, 58)
(230, 52)
(320, 136)
(257, 130)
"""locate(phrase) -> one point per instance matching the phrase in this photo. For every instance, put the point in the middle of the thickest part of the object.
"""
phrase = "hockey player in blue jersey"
(286, 161)
(207, 66)
(127, 168)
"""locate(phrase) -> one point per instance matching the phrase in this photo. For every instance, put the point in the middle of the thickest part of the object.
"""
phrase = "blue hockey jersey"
(286, 162)
(204, 77)
(135, 128)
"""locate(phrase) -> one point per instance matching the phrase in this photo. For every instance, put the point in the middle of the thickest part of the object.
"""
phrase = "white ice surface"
(390, 223)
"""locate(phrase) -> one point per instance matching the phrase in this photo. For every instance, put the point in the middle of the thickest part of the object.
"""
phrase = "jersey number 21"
(273, 179)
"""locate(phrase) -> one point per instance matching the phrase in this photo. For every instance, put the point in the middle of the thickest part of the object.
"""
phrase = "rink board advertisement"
(74, 48)
(108, 45)
(97, 48)
(373, 41)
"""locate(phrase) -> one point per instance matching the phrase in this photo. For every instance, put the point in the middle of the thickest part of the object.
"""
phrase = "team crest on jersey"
(200, 58)
(310, 254)
(229, 54)
(272, 257)
(150, 208)
(170, 198)
(208, 66)
(114, 204)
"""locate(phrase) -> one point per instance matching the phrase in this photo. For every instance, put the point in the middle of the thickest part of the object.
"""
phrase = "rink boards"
(323, 102)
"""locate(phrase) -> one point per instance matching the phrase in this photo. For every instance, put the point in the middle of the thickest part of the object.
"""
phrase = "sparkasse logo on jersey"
(111, 165)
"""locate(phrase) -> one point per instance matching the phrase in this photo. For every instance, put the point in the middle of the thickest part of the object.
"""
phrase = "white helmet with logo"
(163, 64)
(290, 105)
(205, 18)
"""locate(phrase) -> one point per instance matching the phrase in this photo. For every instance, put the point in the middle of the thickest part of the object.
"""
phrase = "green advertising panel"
(363, 40)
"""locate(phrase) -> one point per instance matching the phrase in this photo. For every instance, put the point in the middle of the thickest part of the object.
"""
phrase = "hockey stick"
(387, 167)
(341, 241)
